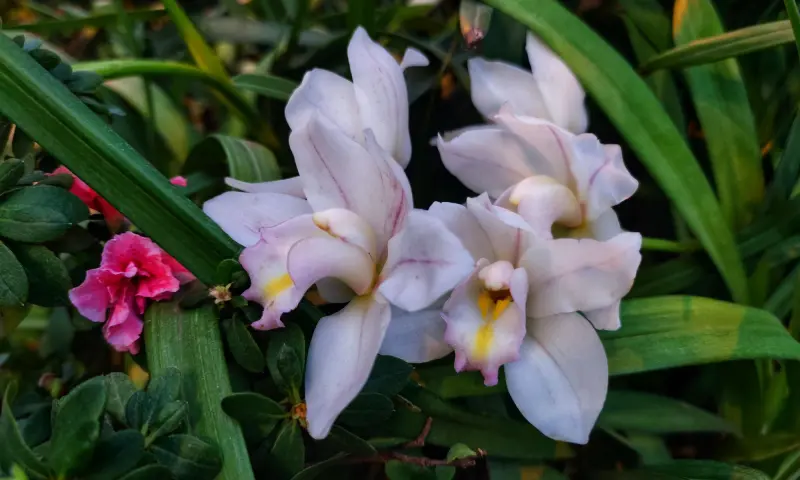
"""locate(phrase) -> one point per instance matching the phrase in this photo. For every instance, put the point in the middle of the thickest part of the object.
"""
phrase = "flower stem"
(190, 341)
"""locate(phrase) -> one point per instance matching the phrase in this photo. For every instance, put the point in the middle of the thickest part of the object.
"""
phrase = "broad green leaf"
(639, 116)
(170, 123)
(119, 389)
(11, 171)
(388, 376)
(40, 214)
(221, 156)
(41, 106)
(201, 52)
(645, 412)
(668, 332)
(36, 427)
(286, 355)
(77, 427)
(269, 86)
(761, 447)
(313, 471)
(188, 457)
(13, 281)
(367, 409)
(14, 450)
(48, 279)
(190, 341)
(149, 472)
(651, 449)
(254, 410)
(349, 442)
(116, 455)
(723, 107)
(707, 470)
(288, 453)
(243, 348)
(169, 419)
(722, 46)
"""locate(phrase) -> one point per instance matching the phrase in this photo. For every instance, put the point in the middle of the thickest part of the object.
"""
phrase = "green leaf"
(188, 457)
(40, 213)
(10, 317)
(707, 470)
(14, 450)
(138, 409)
(11, 171)
(41, 106)
(48, 279)
(97, 21)
(201, 52)
(724, 111)
(190, 341)
(636, 112)
(313, 471)
(788, 170)
(36, 427)
(244, 349)
(119, 389)
(116, 455)
(169, 419)
(349, 442)
(504, 470)
(169, 122)
(77, 427)
(388, 376)
(269, 86)
(221, 156)
(459, 451)
(13, 281)
(397, 470)
(645, 412)
(794, 19)
(288, 453)
(255, 410)
(286, 355)
(149, 472)
(722, 46)
(668, 332)
(367, 409)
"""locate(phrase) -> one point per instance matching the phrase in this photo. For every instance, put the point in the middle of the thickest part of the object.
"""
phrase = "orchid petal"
(484, 332)
(508, 233)
(348, 227)
(413, 58)
(495, 84)
(605, 227)
(416, 337)
(542, 201)
(266, 264)
(601, 177)
(424, 261)
(465, 226)
(287, 186)
(488, 159)
(606, 318)
(340, 358)
(568, 275)
(243, 215)
(381, 94)
(560, 381)
(560, 90)
(330, 96)
(315, 258)
(337, 172)
(333, 290)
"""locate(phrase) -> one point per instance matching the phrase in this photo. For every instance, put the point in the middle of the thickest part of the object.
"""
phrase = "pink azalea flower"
(133, 270)
(97, 203)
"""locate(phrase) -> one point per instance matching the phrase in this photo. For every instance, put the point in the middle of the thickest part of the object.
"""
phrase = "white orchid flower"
(549, 91)
(356, 236)
(519, 309)
(376, 99)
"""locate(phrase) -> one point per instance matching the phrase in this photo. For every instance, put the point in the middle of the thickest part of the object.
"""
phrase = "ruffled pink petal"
(91, 297)
(178, 181)
(129, 247)
(124, 327)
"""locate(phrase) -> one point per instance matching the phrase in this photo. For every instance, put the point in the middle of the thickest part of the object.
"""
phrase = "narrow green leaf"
(243, 348)
(77, 427)
(222, 156)
(40, 214)
(707, 470)
(188, 457)
(367, 409)
(48, 279)
(119, 389)
(13, 281)
(269, 86)
(14, 450)
(96, 21)
(645, 412)
(202, 53)
(190, 341)
(288, 453)
(652, 449)
(724, 110)
(638, 115)
(788, 171)
(723, 46)
(668, 332)
(116, 455)
(794, 19)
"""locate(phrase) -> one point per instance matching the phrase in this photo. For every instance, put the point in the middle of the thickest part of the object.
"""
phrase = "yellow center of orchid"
(491, 304)
(278, 285)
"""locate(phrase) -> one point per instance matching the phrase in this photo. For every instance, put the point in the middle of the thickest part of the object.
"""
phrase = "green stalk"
(190, 341)
(794, 18)
(47, 111)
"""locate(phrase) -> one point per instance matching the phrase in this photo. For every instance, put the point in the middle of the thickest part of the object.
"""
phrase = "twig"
(420, 440)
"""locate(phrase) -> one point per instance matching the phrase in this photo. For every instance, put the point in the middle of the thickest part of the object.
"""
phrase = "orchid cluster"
(518, 277)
